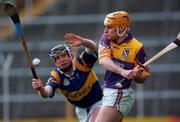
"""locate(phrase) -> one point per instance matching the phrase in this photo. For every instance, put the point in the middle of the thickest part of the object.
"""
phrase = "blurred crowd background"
(156, 23)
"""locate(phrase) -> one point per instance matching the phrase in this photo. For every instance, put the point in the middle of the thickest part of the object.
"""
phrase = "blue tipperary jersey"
(126, 55)
(82, 89)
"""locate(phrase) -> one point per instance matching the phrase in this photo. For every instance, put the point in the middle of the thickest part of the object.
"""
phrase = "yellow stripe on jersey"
(81, 57)
(103, 51)
(56, 76)
(79, 94)
(81, 67)
(118, 51)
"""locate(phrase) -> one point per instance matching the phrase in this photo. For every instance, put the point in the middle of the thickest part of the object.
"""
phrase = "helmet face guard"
(55, 51)
(119, 18)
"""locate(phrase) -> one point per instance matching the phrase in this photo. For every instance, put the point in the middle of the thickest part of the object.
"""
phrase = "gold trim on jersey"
(81, 67)
(86, 88)
(56, 76)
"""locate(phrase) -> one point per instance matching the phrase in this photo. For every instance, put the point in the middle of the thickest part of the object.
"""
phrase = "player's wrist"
(121, 71)
(41, 88)
(83, 41)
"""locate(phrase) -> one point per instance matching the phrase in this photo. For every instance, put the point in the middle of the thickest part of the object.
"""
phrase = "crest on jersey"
(125, 54)
(66, 82)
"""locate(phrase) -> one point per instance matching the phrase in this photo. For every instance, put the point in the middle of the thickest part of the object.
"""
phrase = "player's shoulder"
(136, 42)
(55, 74)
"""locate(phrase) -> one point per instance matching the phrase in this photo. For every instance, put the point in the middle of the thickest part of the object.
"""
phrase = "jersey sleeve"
(86, 61)
(141, 58)
(53, 81)
(89, 59)
(104, 47)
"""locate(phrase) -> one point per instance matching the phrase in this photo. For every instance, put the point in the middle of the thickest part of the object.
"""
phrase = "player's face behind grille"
(61, 57)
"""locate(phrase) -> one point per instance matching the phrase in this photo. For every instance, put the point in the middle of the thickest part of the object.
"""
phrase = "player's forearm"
(108, 64)
(90, 45)
(45, 92)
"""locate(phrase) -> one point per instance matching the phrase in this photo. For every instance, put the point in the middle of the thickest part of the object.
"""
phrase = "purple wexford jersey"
(126, 55)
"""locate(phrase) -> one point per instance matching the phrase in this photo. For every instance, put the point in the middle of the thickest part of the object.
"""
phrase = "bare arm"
(75, 40)
(90, 46)
(108, 64)
(44, 92)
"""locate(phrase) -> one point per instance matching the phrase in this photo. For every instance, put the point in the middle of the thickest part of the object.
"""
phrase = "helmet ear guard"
(119, 18)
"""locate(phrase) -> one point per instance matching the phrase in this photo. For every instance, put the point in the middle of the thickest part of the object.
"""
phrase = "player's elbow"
(102, 62)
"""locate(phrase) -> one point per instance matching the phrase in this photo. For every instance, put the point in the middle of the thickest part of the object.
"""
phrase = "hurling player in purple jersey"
(122, 55)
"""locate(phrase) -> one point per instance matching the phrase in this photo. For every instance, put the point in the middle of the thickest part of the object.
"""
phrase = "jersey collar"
(74, 68)
(127, 39)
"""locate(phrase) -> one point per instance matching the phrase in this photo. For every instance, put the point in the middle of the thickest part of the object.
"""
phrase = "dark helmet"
(55, 51)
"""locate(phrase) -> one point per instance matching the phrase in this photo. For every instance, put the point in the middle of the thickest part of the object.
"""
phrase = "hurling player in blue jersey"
(74, 78)
(122, 55)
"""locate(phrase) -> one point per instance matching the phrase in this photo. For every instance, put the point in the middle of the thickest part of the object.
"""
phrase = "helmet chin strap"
(121, 34)
(70, 55)
(69, 52)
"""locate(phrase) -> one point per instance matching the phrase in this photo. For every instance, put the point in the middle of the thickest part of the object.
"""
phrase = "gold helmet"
(118, 18)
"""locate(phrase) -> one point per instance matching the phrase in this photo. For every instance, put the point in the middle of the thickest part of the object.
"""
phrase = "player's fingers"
(68, 36)
(141, 68)
(147, 67)
(138, 72)
(130, 76)
(71, 36)
(71, 44)
(36, 84)
(75, 37)
(68, 41)
(34, 80)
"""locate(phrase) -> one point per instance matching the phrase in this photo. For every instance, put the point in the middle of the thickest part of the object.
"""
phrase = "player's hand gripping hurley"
(168, 48)
(11, 10)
